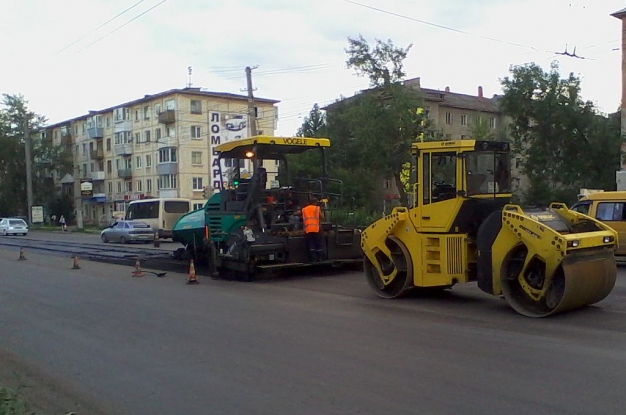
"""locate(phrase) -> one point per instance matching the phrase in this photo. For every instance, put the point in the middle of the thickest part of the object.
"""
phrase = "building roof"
(619, 14)
(444, 99)
(146, 98)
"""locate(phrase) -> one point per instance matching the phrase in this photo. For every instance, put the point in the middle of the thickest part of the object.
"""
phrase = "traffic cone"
(192, 279)
(157, 243)
(22, 257)
(75, 266)
(138, 272)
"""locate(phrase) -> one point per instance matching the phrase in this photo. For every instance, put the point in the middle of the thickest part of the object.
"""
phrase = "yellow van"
(608, 207)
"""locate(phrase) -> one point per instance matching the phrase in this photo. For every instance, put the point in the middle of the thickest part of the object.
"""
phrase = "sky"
(68, 57)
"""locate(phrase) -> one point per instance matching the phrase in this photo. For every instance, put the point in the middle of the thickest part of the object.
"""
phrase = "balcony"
(95, 132)
(123, 149)
(97, 154)
(123, 126)
(167, 168)
(66, 140)
(164, 142)
(167, 117)
(98, 175)
(125, 173)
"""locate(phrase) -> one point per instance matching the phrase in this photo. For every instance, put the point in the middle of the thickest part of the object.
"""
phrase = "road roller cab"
(462, 228)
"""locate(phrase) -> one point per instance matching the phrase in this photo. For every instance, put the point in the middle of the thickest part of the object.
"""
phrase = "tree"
(314, 125)
(564, 143)
(377, 127)
(46, 158)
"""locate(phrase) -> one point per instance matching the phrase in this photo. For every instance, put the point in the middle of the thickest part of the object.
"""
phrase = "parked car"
(12, 226)
(126, 231)
(236, 123)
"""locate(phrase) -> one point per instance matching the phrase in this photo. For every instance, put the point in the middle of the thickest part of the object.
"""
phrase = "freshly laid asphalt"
(305, 345)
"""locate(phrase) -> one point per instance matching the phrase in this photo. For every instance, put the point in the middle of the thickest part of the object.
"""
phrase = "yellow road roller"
(461, 227)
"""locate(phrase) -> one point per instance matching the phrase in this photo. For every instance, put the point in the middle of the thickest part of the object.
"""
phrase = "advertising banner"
(86, 188)
(36, 214)
(224, 127)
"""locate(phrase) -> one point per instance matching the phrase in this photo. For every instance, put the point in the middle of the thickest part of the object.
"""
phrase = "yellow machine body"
(462, 228)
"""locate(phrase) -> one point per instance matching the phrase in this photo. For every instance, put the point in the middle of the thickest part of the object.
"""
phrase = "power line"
(103, 24)
(119, 27)
(439, 25)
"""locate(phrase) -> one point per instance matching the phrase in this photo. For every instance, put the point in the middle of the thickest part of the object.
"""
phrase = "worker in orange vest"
(312, 215)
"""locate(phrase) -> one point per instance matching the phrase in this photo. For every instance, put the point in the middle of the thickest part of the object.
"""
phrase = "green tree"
(375, 129)
(46, 158)
(564, 143)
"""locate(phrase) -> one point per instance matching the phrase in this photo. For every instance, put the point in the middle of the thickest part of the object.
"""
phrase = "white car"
(10, 226)
(236, 123)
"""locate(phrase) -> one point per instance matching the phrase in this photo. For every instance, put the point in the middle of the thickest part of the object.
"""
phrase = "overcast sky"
(56, 55)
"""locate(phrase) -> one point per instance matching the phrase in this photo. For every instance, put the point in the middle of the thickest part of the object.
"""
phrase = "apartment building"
(160, 145)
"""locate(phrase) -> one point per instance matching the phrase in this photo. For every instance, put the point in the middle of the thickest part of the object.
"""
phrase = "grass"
(11, 403)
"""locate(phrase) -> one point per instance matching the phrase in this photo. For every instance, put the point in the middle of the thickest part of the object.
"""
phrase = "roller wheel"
(400, 263)
(580, 279)
(522, 289)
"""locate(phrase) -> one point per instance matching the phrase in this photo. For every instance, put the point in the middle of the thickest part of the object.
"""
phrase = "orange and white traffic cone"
(138, 272)
(192, 278)
(75, 266)
(21, 257)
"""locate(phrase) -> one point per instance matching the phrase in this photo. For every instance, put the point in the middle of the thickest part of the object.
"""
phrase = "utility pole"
(251, 114)
(78, 201)
(29, 170)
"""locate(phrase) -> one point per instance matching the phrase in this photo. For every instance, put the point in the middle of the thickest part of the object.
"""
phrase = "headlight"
(608, 239)
(573, 243)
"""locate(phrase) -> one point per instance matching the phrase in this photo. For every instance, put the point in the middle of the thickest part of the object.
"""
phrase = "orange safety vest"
(311, 218)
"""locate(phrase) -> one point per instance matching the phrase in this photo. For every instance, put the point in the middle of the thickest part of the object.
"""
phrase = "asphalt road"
(305, 345)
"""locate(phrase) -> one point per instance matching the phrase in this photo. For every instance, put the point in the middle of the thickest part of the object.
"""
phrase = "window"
(147, 136)
(138, 162)
(171, 132)
(148, 185)
(463, 119)
(148, 160)
(128, 163)
(139, 186)
(108, 122)
(196, 106)
(146, 112)
(91, 168)
(137, 138)
(170, 104)
(84, 171)
(157, 134)
(197, 183)
(84, 148)
(109, 169)
(110, 187)
(157, 109)
(196, 206)
(168, 181)
(83, 128)
(448, 136)
(119, 187)
(492, 122)
(386, 184)
(128, 186)
(136, 115)
(167, 155)
(108, 143)
(171, 206)
(196, 157)
(439, 177)
(611, 211)
(196, 131)
(582, 207)
(448, 118)
(123, 138)
(117, 164)
(121, 114)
